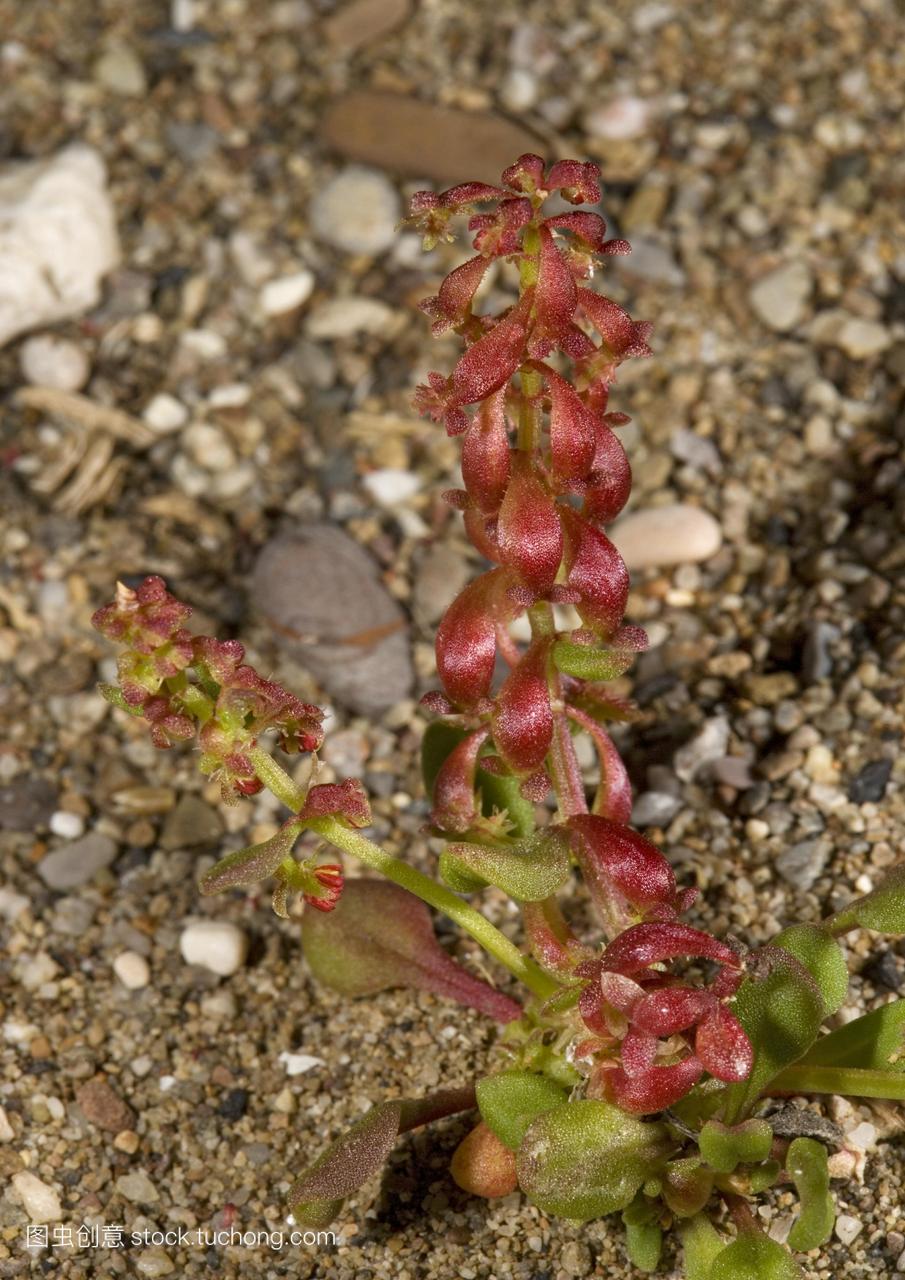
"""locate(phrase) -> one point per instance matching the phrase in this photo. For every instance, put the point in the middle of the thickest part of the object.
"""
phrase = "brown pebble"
(39, 1047)
(363, 22)
(126, 1140)
(103, 1107)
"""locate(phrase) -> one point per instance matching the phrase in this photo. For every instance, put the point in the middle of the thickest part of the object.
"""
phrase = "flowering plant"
(635, 1076)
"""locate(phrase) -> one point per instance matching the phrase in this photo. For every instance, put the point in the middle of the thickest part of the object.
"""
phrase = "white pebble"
(40, 1202)
(297, 1064)
(624, 117)
(209, 447)
(34, 971)
(356, 211)
(286, 293)
(214, 944)
(68, 825)
(132, 970)
(863, 338)
(7, 1132)
(233, 396)
(203, 343)
(164, 413)
(344, 317)
(847, 1228)
(390, 485)
(675, 534)
(47, 361)
(863, 1136)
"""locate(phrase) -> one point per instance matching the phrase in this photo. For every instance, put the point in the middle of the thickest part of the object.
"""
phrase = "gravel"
(356, 211)
(76, 863)
(216, 945)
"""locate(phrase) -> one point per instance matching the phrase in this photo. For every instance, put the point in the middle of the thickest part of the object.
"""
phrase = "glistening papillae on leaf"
(883, 909)
(512, 1100)
(528, 871)
(873, 1042)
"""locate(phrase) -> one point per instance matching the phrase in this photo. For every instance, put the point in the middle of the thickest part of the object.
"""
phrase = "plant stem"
(853, 1082)
(435, 895)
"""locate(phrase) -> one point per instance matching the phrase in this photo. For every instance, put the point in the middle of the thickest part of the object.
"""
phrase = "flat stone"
(320, 592)
(406, 135)
(356, 211)
(286, 293)
(363, 22)
(78, 862)
(57, 239)
(861, 339)
(802, 863)
(655, 809)
(48, 361)
(779, 299)
(137, 1187)
(216, 945)
(345, 317)
(659, 536)
(192, 823)
(869, 785)
(707, 746)
(103, 1107)
(40, 1202)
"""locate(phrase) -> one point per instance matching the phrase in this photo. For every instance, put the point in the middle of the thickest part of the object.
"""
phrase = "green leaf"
(511, 1100)
(317, 1196)
(587, 663)
(850, 1082)
(687, 1185)
(379, 936)
(497, 793)
(780, 1008)
(724, 1146)
(528, 871)
(883, 909)
(644, 1244)
(454, 874)
(248, 866)
(806, 1163)
(823, 958)
(701, 1243)
(754, 1257)
(587, 1158)
(439, 741)
(874, 1042)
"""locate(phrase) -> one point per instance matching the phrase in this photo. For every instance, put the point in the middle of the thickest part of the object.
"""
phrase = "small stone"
(816, 659)
(209, 447)
(862, 339)
(848, 1228)
(216, 945)
(356, 211)
(439, 577)
(119, 70)
(69, 826)
(7, 1132)
(519, 89)
(103, 1107)
(73, 916)
(164, 413)
(33, 971)
(77, 863)
(820, 765)
(869, 785)
(320, 591)
(651, 259)
(132, 970)
(137, 1187)
(48, 361)
(363, 22)
(408, 135)
(766, 690)
(391, 486)
(659, 536)
(707, 746)
(733, 771)
(40, 1202)
(12, 904)
(154, 1262)
(287, 293)
(26, 804)
(655, 809)
(297, 1064)
(345, 317)
(801, 864)
(192, 823)
(234, 1105)
(220, 1005)
(779, 299)
(127, 1140)
(623, 117)
(346, 752)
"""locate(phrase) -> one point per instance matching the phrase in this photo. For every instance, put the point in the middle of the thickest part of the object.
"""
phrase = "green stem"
(435, 895)
(852, 1082)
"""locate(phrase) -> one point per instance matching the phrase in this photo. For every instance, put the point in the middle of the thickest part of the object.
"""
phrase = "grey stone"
(816, 659)
(440, 575)
(77, 862)
(802, 863)
(655, 809)
(26, 804)
(707, 746)
(356, 211)
(869, 785)
(320, 592)
(779, 299)
(193, 822)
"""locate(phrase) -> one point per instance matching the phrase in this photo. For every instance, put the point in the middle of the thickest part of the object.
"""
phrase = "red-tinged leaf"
(452, 304)
(248, 866)
(346, 799)
(470, 193)
(490, 362)
(646, 944)
(486, 454)
(498, 233)
(550, 940)
(317, 1196)
(522, 717)
(573, 429)
(589, 227)
(454, 802)
(639, 1050)
(579, 181)
(652, 1090)
(530, 531)
(610, 479)
(556, 295)
(623, 336)
(672, 1009)
(483, 534)
(619, 864)
(483, 1166)
(722, 1046)
(594, 568)
(380, 936)
(614, 793)
(466, 637)
(527, 174)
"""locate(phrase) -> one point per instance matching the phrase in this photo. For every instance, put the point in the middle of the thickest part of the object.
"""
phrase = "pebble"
(77, 863)
(137, 1187)
(659, 536)
(48, 361)
(26, 804)
(33, 972)
(321, 593)
(216, 945)
(440, 575)
(67, 825)
(297, 1064)
(164, 413)
(869, 785)
(287, 293)
(119, 70)
(132, 970)
(650, 259)
(779, 299)
(102, 1106)
(57, 239)
(7, 1132)
(390, 486)
(655, 809)
(862, 339)
(72, 916)
(623, 117)
(40, 1202)
(192, 823)
(816, 659)
(409, 135)
(802, 863)
(356, 211)
(154, 1262)
(848, 1228)
(363, 22)
(209, 447)
(345, 317)
(12, 905)
(708, 745)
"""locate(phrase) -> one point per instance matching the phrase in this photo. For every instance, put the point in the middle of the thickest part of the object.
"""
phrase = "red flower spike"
(522, 718)
(645, 944)
(434, 701)
(610, 479)
(490, 362)
(672, 1009)
(579, 182)
(653, 1090)
(498, 233)
(451, 307)
(221, 657)
(722, 1046)
(573, 430)
(454, 806)
(527, 174)
(615, 859)
(466, 637)
(594, 568)
(555, 299)
(530, 532)
(346, 800)
(329, 877)
(485, 454)
(143, 619)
